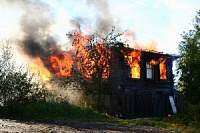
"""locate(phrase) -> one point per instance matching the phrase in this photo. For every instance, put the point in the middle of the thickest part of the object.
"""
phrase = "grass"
(65, 111)
(174, 124)
(53, 111)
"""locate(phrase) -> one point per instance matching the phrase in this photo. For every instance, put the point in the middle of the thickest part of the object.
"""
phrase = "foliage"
(189, 62)
(17, 85)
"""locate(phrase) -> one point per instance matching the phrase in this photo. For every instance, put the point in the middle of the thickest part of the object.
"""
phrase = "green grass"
(173, 124)
(66, 111)
(53, 110)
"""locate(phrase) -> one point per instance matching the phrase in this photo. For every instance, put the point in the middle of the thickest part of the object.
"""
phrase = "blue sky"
(158, 21)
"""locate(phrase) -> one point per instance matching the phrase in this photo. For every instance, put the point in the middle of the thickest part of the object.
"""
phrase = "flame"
(60, 64)
(163, 71)
(38, 67)
(147, 47)
(91, 62)
(133, 61)
(152, 46)
(153, 62)
(162, 66)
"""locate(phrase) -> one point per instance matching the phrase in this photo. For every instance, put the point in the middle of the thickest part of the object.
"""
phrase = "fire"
(163, 70)
(92, 61)
(134, 62)
(153, 62)
(60, 64)
(38, 67)
(89, 62)
(152, 46)
(162, 66)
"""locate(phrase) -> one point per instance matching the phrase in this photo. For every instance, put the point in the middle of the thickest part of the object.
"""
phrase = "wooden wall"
(145, 104)
(141, 97)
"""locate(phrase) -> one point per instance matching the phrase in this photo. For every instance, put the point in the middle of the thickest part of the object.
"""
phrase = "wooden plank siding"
(141, 97)
(145, 104)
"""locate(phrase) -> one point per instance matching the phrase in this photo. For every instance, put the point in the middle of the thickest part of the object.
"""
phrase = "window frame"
(150, 68)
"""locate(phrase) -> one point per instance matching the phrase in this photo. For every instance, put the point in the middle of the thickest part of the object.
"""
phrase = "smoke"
(37, 19)
(71, 92)
(76, 24)
(104, 19)
(35, 24)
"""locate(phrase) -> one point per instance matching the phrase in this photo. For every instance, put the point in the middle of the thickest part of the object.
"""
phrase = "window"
(163, 70)
(149, 71)
(134, 62)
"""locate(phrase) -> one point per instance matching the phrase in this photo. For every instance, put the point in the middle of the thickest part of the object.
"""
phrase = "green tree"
(189, 62)
(17, 85)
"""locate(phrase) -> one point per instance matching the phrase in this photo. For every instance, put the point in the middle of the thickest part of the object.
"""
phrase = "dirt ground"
(7, 126)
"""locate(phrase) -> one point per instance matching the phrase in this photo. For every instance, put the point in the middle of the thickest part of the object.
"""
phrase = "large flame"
(60, 64)
(92, 61)
(134, 58)
(134, 62)
(38, 68)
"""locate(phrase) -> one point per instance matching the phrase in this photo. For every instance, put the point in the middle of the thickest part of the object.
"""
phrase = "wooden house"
(144, 82)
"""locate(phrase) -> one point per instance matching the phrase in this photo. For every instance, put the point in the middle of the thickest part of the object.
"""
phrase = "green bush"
(17, 85)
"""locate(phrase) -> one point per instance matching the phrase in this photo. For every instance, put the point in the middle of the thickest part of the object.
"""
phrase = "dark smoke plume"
(37, 18)
(35, 23)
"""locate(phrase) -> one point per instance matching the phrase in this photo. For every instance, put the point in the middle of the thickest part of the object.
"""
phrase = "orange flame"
(92, 62)
(60, 64)
(163, 71)
(153, 62)
(150, 46)
(162, 66)
(133, 61)
(38, 67)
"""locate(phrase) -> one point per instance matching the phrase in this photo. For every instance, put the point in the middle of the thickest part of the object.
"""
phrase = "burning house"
(145, 82)
(142, 80)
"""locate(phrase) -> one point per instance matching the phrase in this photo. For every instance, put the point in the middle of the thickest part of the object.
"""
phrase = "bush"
(17, 85)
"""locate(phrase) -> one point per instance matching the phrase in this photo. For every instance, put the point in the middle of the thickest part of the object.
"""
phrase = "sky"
(150, 21)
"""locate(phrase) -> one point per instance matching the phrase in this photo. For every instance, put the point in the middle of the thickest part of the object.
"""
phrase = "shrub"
(17, 85)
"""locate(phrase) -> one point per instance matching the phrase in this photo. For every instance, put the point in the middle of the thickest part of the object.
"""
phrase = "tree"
(189, 62)
(94, 55)
(17, 85)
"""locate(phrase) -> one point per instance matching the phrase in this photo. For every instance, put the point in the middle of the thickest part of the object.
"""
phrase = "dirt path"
(7, 125)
